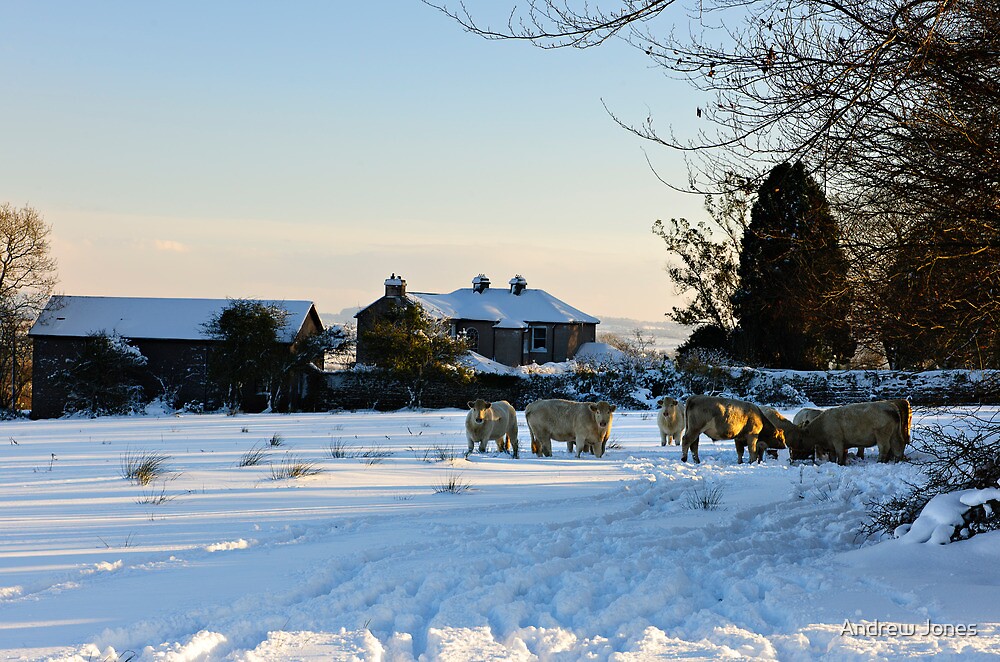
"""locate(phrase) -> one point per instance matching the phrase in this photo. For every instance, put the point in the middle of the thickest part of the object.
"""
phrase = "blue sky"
(306, 150)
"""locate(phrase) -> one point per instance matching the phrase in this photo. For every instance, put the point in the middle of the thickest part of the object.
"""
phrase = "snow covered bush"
(103, 377)
(959, 490)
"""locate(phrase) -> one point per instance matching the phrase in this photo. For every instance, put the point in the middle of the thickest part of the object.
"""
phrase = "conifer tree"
(793, 299)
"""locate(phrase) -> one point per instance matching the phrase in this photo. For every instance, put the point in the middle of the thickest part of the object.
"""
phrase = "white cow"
(670, 421)
(884, 423)
(491, 420)
(725, 418)
(586, 424)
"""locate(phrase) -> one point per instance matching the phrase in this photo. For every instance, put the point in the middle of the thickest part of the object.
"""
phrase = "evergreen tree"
(793, 299)
(413, 347)
(103, 377)
(248, 359)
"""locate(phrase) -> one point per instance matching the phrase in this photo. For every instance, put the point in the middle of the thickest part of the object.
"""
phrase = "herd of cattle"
(811, 434)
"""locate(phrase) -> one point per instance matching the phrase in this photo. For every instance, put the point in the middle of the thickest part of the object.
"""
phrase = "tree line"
(890, 107)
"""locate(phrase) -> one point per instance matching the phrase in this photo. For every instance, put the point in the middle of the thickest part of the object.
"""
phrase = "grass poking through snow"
(293, 467)
(143, 467)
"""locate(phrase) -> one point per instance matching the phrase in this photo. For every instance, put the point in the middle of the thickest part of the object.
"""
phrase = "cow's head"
(479, 408)
(602, 413)
(770, 436)
(805, 442)
(667, 403)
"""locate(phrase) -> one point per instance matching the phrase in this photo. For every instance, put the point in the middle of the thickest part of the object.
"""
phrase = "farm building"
(170, 333)
(514, 326)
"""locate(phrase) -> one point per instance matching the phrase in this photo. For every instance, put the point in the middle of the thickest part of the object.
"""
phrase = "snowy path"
(554, 559)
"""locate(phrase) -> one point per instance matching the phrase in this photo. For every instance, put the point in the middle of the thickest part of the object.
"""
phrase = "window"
(537, 340)
(472, 337)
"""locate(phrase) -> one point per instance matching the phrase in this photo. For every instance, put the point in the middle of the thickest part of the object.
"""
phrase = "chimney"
(480, 284)
(518, 284)
(395, 286)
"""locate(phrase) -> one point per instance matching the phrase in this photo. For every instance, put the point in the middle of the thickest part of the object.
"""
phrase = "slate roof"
(146, 318)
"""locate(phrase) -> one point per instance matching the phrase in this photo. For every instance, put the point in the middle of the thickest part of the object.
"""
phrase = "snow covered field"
(549, 559)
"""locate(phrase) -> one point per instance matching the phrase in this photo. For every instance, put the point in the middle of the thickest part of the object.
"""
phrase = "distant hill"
(666, 335)
(345, 316)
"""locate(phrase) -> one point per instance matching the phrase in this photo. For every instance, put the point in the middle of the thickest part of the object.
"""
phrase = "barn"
(169, 332)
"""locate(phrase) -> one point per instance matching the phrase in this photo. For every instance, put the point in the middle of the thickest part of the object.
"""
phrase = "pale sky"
(306, 150)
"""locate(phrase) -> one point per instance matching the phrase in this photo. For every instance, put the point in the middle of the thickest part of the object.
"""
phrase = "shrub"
(703, 497)
(374, 455)
(453, 483)
(253, 457)
(435, 454)
(103, 376)
(293, 467)
(156, 497)
(143, 467)
(953, 459)
(340, 449)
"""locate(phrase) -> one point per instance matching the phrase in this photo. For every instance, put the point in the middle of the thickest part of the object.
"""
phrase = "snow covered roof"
(147, 318)
(598, 351)
(507, 323)
(496, 305)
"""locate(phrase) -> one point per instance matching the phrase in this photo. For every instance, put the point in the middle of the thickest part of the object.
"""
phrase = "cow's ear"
(487, 405)
(614, 407)
(592, 406)
(471, 404)
(659, 403)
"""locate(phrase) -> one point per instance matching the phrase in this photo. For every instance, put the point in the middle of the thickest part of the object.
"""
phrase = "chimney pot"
(395, 286)
(518, 284)
(480, 283)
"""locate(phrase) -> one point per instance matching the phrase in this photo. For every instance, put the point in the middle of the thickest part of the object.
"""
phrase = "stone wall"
(640, 389)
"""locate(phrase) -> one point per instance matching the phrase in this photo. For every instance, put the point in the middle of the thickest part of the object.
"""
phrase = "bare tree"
(704, 260)
(893, 105)
(27, 276)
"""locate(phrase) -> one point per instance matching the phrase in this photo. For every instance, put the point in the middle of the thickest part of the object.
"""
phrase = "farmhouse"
(514, 326)
(170, 333)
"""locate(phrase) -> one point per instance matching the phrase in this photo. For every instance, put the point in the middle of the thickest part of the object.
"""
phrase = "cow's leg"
(482, 446)
(861, 452)
(663, 438)
(569, 448)
(472, 443)
(544, 444)
(841, 451)
(687, 441)
(884, 449)
(756, 449)
(740, 447)
(512, 438)
(581, 445)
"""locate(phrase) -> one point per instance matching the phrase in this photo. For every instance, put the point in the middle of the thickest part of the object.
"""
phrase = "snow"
(494, 305)
(596, 352)
(541, 559)
(483, 365)
(146, 318)
(943, 514)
